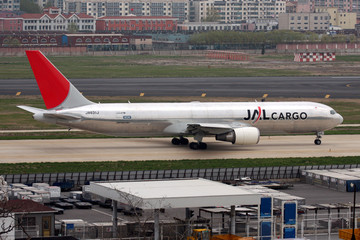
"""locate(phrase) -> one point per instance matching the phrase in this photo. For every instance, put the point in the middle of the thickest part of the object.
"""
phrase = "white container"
(55, 192)
(18, 185)
(23, 195)
(75, 195)
(14, 192)
(30, 189)
(34, 197)
(41, 186)
(45, 195)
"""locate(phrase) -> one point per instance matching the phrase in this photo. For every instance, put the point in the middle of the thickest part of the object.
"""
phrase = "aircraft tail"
(56, 90)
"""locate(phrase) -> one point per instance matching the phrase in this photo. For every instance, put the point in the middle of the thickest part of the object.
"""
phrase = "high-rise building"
(223, 11)
(100, 8)
(9, 5)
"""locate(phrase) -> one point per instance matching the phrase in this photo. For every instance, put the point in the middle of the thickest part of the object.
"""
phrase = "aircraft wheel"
(202, 145)
(184, 141)
(175, 141)
(317, 141)
(194, 146)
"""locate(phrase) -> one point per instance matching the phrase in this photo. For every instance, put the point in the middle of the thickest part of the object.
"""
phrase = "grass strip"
(59, 167)
(134, 66)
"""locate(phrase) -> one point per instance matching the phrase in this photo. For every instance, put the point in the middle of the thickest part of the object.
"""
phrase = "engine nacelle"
(241, 136)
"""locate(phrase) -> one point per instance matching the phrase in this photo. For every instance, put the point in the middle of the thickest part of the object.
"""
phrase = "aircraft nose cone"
(341, 119)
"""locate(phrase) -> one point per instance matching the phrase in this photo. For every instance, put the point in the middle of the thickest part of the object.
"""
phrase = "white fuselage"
(169, 119)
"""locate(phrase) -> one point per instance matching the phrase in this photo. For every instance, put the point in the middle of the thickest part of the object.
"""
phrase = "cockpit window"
(332, 112)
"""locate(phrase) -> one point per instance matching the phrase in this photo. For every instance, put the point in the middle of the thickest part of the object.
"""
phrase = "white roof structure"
(174, 193)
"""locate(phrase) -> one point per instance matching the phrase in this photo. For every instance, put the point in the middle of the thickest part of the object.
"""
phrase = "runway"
(131, 149)
(249, 87)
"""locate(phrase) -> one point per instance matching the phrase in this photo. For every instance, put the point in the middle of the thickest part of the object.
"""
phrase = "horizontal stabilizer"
(32, 109)
(61, 116)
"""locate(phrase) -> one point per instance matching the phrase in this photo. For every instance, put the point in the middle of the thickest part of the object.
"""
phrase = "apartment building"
(343, 5)
(57, 22)
(227, 11)
(9, 21)
(9, 5)
(99, 8)
(135, 24)
(236, 11)
(344, 20)
(318, 21)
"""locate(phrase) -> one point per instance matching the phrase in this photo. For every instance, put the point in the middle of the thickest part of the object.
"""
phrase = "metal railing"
(216, 174)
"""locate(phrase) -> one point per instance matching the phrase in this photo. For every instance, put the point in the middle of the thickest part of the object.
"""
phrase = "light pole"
(353, 185)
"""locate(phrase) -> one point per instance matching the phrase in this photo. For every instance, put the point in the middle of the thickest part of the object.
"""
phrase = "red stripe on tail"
(54, 87)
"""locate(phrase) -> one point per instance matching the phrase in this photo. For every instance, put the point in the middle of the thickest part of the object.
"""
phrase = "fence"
(216, 174)
(309, 226)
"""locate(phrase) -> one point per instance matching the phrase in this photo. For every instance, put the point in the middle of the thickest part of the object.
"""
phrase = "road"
(251, 87)
(130, 149)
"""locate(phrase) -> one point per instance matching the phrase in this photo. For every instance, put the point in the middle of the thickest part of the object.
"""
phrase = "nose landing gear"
(318, 138)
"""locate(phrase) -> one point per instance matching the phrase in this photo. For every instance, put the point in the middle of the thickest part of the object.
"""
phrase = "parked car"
(64, 205)
(83, 205)
(58, 210)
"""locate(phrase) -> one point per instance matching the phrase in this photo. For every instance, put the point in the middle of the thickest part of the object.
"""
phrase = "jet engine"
(241, 136)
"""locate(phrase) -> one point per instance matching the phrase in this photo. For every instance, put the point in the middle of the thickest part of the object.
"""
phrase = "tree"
(132, 205)
(29, 7)
(212, 15)
(73, 27)
(7, 218)
(50, 4)
(8, 221)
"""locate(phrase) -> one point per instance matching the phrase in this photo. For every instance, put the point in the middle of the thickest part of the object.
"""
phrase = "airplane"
(240, 123)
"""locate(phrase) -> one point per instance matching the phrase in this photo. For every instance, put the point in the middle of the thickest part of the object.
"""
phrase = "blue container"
(64, 40)
(265, 231)
(265, 207)
(290, 213)
(289, 232)
(350, 188)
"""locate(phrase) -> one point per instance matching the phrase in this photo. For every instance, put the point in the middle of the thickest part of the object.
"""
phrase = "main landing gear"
(180, 141)
(318, 138)
(199, 145)
(192, 145)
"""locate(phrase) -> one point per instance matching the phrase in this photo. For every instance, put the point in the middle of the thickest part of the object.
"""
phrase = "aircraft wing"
(213, 128)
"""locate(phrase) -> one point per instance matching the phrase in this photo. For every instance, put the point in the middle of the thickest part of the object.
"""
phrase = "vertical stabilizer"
(55, 88)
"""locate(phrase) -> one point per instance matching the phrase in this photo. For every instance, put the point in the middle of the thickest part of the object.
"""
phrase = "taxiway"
(131, 149)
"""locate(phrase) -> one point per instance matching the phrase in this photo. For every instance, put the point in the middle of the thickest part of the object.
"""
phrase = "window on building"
(26, 222)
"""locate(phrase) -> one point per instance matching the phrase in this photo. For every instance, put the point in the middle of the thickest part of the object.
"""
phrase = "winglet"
(55, 88)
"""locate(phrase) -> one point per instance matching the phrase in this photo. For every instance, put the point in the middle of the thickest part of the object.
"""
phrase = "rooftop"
(25, 206)
(179, 193)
